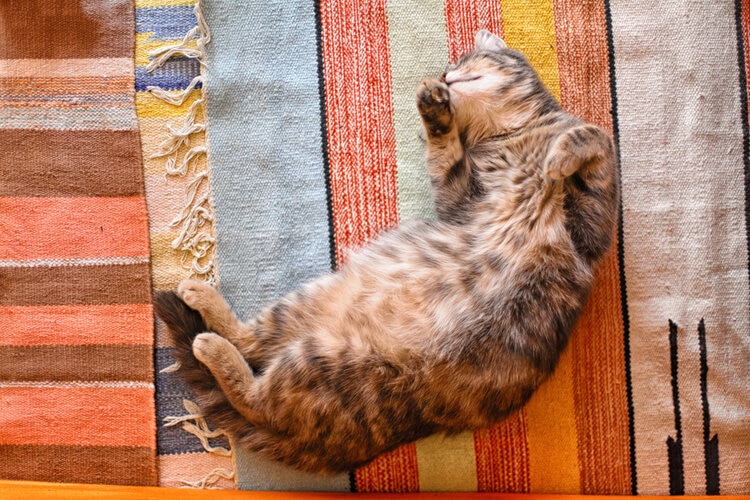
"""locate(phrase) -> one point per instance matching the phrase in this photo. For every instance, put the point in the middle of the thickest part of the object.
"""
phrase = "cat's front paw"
(434, 104)
(198, 295)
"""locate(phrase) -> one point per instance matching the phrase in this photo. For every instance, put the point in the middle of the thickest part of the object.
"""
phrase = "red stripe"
(463, 18)
(361, 134)
(598, 339)
(394, 472)
(502, 456)
(85, 416)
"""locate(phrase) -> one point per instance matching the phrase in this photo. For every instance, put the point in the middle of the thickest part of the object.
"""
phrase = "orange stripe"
(502, 456)
(463, 18)
(598, 340)
(85, 416)
(394, 472)
(125, 324)
(361, 133)
(48, 228)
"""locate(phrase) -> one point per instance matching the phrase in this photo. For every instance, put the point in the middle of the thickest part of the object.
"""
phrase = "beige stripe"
(100, 67)
(447, 463)
(679, 110)
(411, 61)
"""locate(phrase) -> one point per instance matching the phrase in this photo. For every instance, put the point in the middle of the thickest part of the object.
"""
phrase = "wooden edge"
(24, 490)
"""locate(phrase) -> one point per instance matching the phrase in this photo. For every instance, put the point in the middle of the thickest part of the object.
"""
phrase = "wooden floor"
(23, 490)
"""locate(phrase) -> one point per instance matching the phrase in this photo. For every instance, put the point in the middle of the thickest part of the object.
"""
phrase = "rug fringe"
(195, 423)
(196, 240)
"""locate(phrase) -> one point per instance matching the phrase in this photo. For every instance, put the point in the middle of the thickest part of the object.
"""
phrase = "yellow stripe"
(530, 28)
(148, 106)
(166, 265)
(551, 433)
(447, 463)
(551, 427)
(140, 4)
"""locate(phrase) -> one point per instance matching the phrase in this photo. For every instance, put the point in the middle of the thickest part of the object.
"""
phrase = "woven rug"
(313, 148)
(76, 371)
(285, 138)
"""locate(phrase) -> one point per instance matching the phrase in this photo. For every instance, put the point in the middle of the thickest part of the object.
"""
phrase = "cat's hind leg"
(232, 373)
(214, 310)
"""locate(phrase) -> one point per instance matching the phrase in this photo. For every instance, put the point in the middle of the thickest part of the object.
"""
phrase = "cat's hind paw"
(198, 295)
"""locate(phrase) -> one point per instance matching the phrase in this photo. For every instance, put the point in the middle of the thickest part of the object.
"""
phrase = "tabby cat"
(438, 325)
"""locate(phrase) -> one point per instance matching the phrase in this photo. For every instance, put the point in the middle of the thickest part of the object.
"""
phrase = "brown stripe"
(79, 464)
(70, 163)
(64, 29)
(76, 363)
(76, 285)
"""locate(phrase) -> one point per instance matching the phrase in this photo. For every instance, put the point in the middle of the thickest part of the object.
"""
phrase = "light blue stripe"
(268, 179)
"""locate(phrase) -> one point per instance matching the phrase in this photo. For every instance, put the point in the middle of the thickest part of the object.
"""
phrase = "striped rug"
(267, 150)
(313, 149)
(76, 370)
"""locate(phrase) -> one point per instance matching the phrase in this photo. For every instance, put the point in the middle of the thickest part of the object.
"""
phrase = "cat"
(437, 326)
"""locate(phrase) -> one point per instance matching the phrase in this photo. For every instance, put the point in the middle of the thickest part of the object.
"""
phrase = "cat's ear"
(484, 40)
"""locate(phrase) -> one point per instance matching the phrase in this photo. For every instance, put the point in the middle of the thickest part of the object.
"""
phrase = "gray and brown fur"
(438, 325)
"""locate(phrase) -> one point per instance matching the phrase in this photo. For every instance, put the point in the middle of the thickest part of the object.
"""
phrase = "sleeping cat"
(438, 325)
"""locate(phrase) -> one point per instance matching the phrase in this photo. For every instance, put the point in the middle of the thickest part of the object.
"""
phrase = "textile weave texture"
(76, 327)
(287, 138)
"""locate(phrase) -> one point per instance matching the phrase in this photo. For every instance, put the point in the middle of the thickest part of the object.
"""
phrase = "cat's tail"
(184, 324)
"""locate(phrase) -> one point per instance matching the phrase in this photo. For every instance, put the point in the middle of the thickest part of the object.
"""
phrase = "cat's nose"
(442, 77)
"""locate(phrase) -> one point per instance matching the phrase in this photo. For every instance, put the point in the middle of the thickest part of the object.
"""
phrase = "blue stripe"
(167, 23)
(268, 172)
(170, 391)
(175, 74)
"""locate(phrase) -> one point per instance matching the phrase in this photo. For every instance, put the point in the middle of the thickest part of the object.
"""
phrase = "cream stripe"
(95, 118)
(679, 111)
(418, 49)
(99, 67)
(124, 384)
(103, 261)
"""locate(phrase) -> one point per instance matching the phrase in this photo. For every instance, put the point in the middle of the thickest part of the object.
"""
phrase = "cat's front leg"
(212, 307)
(584, 149)
(444, 147)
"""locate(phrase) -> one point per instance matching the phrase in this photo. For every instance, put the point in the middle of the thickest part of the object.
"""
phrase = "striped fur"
(437, 326)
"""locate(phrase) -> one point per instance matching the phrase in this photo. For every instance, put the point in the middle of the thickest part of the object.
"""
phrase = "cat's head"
(494, 89)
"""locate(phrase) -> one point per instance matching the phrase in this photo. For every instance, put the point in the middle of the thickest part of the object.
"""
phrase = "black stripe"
(744, 113)
(352, 481)
(674, 445)
(710, 445)
(621, 255)
(324, 134)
